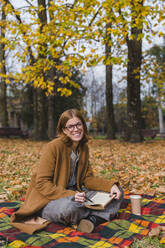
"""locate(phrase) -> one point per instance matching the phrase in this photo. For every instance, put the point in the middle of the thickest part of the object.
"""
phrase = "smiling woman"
(64, 180)
(74, 130)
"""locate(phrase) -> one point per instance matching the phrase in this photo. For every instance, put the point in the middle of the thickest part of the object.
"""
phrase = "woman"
(58, 187)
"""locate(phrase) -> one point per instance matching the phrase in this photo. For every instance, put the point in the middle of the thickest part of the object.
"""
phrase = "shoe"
(86, 225)
(3, 242)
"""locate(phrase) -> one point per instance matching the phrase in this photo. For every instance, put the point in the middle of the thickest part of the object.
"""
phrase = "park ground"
(140, 167)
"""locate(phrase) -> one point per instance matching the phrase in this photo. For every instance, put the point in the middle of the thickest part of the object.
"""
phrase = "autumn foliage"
(138, 166)
(65, 36)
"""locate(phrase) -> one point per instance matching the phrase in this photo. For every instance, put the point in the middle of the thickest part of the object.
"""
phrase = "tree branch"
(29, 3)
(24, 33)
(94, 17)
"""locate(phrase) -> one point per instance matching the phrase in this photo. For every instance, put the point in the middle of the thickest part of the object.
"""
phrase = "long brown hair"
(67, 115)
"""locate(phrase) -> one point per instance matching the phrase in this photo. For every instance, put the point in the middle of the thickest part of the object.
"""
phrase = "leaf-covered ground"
(139, 167)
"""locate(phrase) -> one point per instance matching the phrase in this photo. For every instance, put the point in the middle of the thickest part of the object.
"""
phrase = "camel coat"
(49, 182)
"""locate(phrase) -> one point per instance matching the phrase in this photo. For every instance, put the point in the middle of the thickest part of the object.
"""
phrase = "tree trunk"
(35, 114)
(42, 13)
(111, 126)
(160, 113)
(161, 126)
(3, 101)
(133, 86)
(133, 91)
(3, 97)
(51, 119)
(40, 116)
(51, 99)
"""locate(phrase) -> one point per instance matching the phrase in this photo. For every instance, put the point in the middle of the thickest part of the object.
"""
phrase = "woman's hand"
(80, 197)
(115, 190)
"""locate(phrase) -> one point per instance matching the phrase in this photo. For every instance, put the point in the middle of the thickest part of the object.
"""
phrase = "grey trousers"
(67, 211)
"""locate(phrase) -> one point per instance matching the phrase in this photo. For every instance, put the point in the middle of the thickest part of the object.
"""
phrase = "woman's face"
(74, 129)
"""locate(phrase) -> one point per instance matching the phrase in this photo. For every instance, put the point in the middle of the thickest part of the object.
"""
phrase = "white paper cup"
(136, 204)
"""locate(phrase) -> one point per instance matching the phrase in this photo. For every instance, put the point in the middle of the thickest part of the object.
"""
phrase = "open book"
(99, 201)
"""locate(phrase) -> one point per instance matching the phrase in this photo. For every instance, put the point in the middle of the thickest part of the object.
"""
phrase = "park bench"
(13, 131)
(146, 133)
(149, 133)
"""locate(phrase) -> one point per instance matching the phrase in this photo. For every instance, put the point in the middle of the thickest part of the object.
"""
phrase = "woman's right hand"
(80, 197)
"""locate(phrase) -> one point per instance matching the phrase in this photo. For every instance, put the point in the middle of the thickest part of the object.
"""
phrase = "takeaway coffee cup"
(136, 204)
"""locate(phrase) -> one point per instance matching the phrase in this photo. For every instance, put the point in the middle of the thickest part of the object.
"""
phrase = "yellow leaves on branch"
(68, 24)
(64, 91)
(36, 75)
(113, 60)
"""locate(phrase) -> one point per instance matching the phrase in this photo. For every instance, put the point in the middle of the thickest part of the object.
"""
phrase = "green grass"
(148, 243)
(99, 137)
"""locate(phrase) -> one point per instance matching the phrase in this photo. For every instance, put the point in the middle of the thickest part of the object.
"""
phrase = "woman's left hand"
(115, 190)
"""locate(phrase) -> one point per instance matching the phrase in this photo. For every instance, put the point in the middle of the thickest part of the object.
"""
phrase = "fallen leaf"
(139, 167)
(162, 241)
(155, 232)
(162, 228)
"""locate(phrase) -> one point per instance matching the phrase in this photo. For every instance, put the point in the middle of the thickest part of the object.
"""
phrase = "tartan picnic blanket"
(120, 232)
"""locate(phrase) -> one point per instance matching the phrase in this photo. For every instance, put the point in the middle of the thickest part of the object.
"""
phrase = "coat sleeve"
(45, 184)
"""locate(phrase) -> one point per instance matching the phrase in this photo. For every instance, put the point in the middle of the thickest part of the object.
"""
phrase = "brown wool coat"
(49, 182)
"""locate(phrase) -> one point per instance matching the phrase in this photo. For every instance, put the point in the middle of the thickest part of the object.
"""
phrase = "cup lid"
(135, 196)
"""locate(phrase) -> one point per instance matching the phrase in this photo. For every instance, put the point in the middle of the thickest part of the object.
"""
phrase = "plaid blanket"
(120, 232)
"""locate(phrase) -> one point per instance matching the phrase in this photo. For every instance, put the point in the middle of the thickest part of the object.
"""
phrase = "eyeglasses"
(78, 125)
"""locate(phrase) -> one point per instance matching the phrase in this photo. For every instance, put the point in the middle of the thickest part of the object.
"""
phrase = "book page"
(100, 198)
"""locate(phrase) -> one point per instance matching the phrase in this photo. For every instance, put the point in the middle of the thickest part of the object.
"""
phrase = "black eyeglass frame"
(78, 125)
